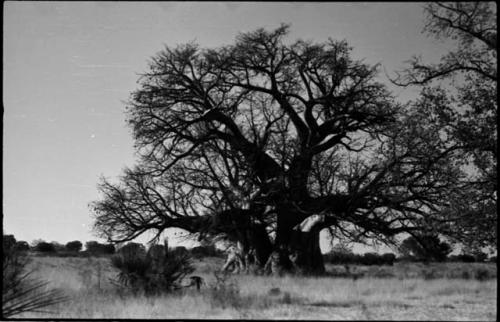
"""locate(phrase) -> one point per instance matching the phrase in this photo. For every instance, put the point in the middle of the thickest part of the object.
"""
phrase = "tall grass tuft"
(22, 293)
(224, 292)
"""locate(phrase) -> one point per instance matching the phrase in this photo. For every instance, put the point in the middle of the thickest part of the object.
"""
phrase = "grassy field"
(405, 291)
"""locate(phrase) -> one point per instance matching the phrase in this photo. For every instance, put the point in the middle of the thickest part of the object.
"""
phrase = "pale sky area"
(68, 67)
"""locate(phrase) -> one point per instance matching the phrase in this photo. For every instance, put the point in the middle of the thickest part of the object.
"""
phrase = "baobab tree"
(272, 143)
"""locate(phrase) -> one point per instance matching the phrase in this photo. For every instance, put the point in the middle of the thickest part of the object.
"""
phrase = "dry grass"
(289, 297)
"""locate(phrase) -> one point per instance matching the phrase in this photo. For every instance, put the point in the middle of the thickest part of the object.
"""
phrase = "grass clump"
(224, 292)
(482, 274)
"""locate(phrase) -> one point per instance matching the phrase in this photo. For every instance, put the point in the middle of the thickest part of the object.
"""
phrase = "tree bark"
(261, 244)
(297, 242)
(309, 259)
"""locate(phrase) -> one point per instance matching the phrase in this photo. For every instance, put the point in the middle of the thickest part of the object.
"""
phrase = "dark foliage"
(340, 257)
(467, 110)
(425, 247)
(74, 246)
(156, 271)
(480, 257)
(59, 248)
(22, 246)
(466, 258)
(482, 274)
(179, 250)
(275, 132)
(45, 247)
(96, 248)
(206, 251)
(388, 258)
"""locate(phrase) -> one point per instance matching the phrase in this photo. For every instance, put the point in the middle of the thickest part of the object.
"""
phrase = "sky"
(69, 67)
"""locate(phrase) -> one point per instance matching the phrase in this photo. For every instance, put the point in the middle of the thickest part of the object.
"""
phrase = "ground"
(405, 291)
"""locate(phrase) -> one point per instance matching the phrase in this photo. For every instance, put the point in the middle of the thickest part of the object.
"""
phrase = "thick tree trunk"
(304, 244)
(261, 244)
(308, 257)
(287, 218)
(298, 244)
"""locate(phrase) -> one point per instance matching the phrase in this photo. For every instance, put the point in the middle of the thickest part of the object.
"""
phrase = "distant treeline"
(342, 257)
(94, 248)
(338, 257)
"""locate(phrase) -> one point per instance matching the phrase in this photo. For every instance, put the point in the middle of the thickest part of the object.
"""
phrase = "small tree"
(45, 247)
(58, 247)
(74, 246)
(371, 259)
(95, 248)
(22, 246)
(425, 247)
(388, 258)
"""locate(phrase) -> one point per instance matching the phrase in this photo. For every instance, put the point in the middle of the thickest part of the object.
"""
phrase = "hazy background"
(69, 67)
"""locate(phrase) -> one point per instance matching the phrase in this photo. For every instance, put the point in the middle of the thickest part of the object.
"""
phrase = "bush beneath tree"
(156, 271)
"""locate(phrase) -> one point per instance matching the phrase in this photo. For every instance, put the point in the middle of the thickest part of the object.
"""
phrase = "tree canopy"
(270, 142)
(466, 109)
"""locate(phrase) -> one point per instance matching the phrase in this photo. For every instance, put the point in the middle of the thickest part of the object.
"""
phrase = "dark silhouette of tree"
(8, 241)
(44, 247)
(425, 247)
(466, 109)
(22, 246)
(473, 25)
(74, 246)
(58, 247)
(269, 143)
(94, 247)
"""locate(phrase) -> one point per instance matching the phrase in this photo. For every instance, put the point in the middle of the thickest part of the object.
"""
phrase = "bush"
(480, 257)
(430, 274)
(74, 246)
(492, 259)
(224, 293)
(45, 247)
(425, 247)
(95, 248)
(58, 247)
(466, 258)
(205, 251)
(20, 293)
(388, 259)
(482, 274)
(371, 259)
(466, 275)
(156, 271)
(179, 250)
(342, 257)
(22, 246)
